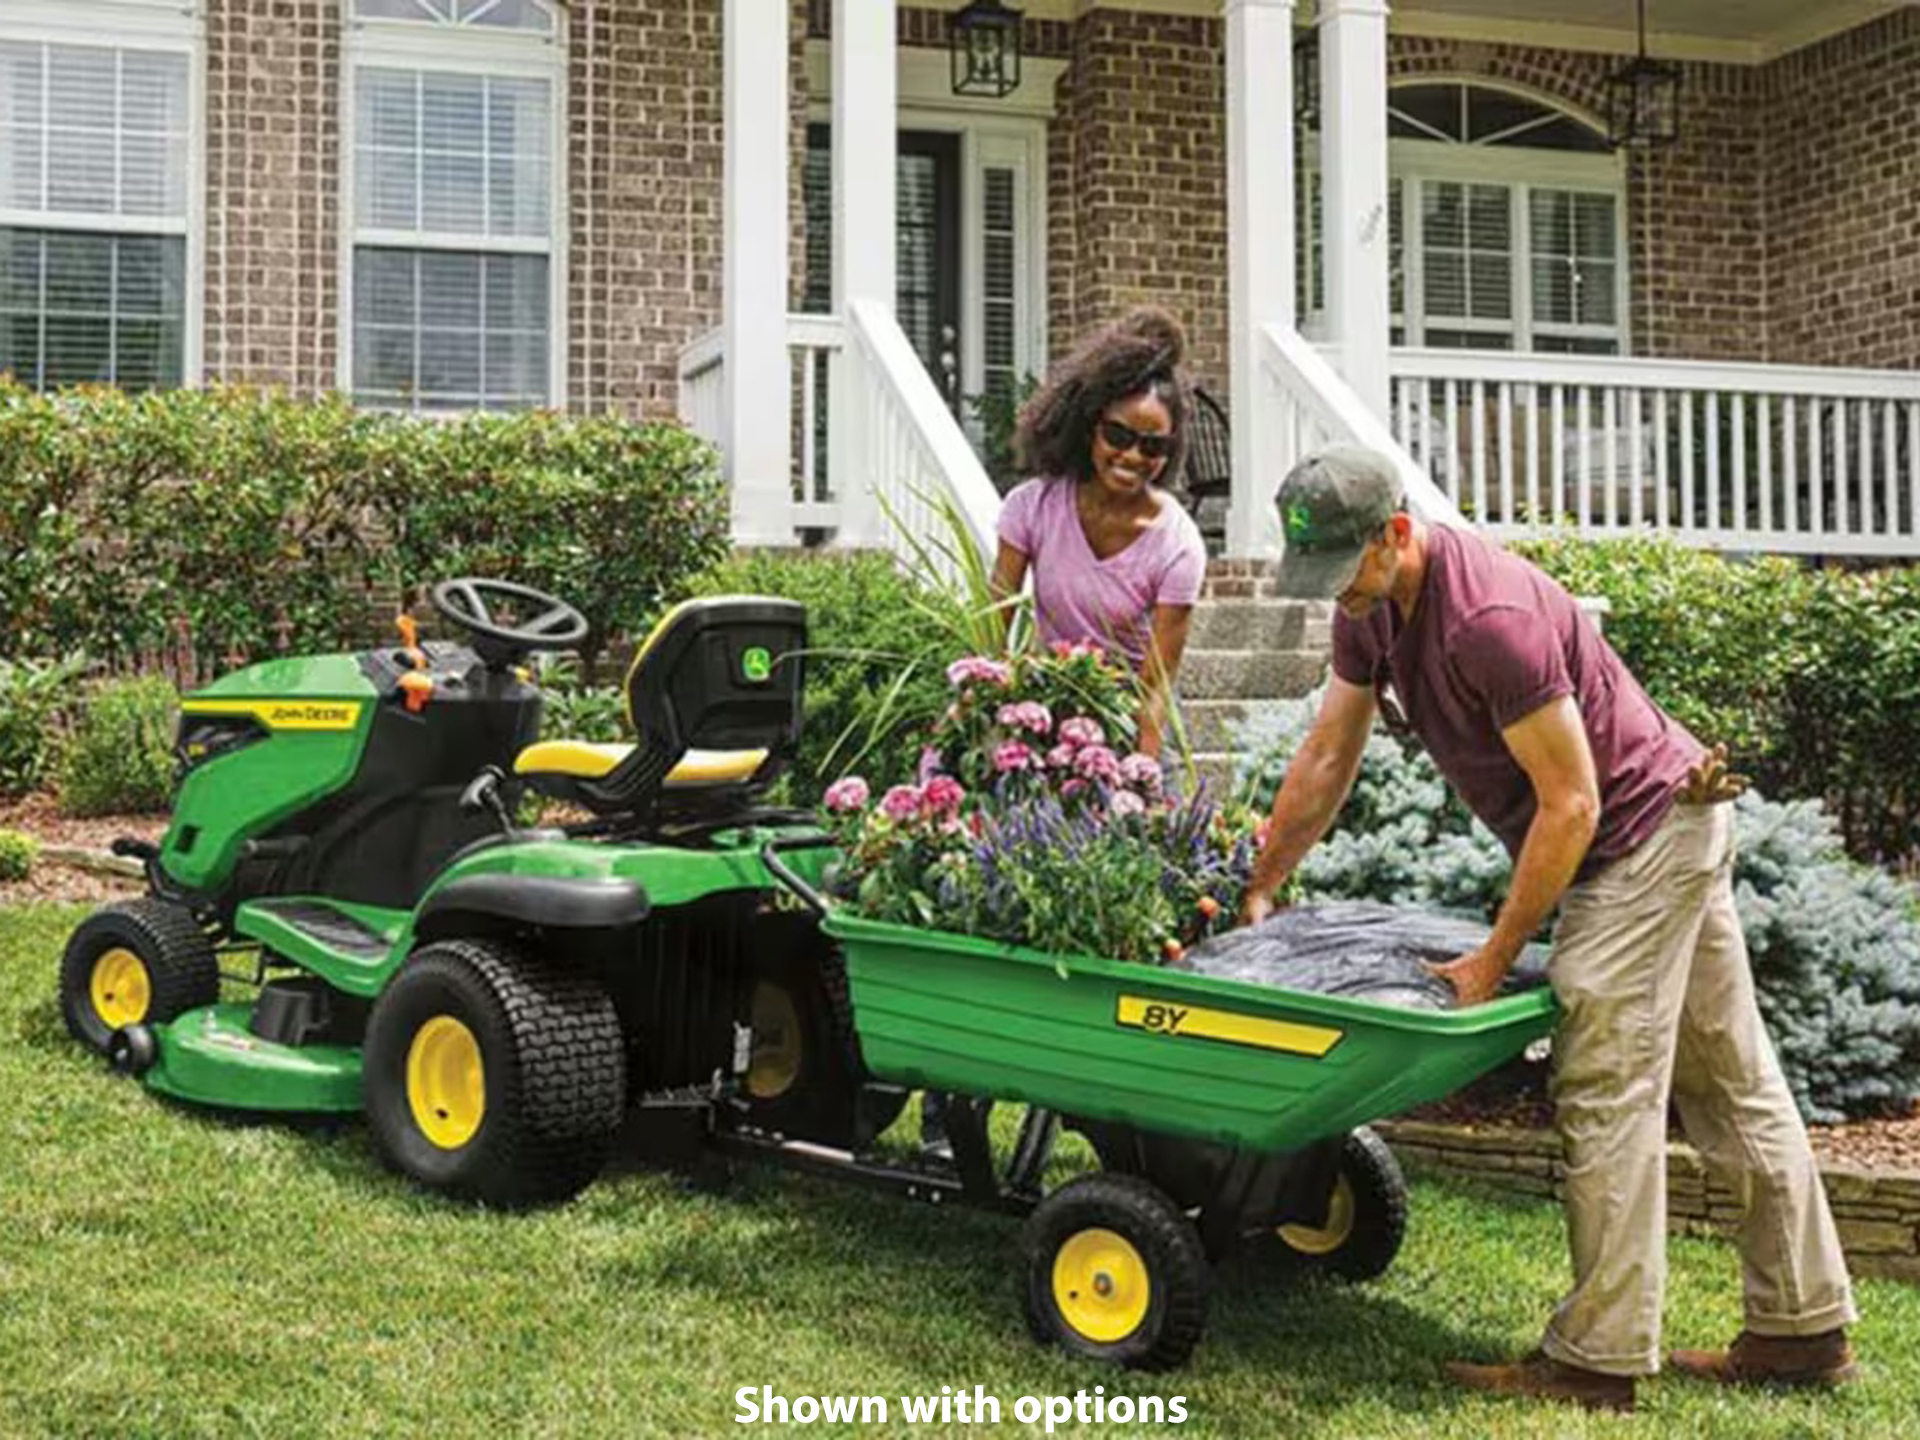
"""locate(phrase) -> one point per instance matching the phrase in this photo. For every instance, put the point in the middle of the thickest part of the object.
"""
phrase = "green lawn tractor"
(508, 1005)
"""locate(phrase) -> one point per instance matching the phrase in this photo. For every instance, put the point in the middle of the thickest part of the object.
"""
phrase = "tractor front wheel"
(493, 1077)
(136, 962)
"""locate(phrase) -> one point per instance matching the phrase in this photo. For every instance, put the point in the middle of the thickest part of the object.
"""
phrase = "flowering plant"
(1032, 820)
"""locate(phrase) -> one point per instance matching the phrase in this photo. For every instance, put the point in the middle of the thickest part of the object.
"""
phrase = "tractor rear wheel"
(135, 962)
(494, 1077)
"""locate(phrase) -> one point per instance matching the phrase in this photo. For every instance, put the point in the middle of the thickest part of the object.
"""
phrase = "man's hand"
(1475, 976)
(1258, 905)
(1711, 782)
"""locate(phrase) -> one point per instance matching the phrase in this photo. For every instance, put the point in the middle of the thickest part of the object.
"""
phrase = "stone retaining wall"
(1878, 1214)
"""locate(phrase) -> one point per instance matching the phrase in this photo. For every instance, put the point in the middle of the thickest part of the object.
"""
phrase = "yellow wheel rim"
(122, 989)
(777, 1044)
(1100, 1285)
(1325, 1239)
(446, 1083)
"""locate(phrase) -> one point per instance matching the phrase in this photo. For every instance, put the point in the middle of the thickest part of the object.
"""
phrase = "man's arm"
(1551, 746)
(1315, 787)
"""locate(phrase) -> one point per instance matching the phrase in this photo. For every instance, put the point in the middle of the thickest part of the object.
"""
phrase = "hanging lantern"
(1643, 99)
(985, 46)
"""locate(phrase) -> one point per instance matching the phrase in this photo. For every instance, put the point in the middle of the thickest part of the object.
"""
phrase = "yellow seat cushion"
(585, 760)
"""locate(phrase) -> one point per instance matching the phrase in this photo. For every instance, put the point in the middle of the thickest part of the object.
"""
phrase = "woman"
(1115, 561)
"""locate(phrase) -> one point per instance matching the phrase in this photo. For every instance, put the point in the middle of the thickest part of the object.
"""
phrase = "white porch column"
(865, 121)
(1353, 171)
(757, 381)
(1260, 253)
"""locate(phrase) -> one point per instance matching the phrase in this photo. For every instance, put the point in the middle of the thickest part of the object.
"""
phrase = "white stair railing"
(1740, 457)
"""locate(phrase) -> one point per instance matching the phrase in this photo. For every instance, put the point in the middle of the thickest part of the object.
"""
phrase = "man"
(1616, 815)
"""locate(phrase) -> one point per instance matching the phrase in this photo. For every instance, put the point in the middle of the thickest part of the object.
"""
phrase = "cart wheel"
(1366, 1215)
(137, 962)
(1114, 1271)
(492, 1077)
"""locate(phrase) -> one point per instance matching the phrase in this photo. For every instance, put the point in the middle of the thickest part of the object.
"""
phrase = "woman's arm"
(1165, 647)
(1009, 574)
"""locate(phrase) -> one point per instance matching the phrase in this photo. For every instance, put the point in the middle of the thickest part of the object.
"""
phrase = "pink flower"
(1013, 755)
(902, 802)
(1125, 803)
(978, 667)
(1073, 650)
(1060, 757)
(1097, 762)
(1026, 715)
(929, 764)
(942, 795)
(1072, 787)
(1082, 731)
(1142, 772)
(847, 794)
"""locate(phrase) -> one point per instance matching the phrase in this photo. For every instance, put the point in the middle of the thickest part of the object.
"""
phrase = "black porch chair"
(1209, 472)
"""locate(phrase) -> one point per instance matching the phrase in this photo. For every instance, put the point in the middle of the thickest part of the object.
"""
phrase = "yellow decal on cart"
(1165, 1017)
(284, 714)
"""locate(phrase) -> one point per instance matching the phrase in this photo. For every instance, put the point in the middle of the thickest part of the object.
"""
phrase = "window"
(95, 141)
(1507, 225)
(454, 278)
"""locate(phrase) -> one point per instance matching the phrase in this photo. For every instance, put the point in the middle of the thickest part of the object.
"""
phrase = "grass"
(169, 1274)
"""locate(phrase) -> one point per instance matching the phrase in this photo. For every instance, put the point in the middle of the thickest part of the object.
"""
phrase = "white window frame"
(466, 50)
(170, 25)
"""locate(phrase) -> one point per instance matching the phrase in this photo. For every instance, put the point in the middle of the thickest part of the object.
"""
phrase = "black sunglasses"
(1122, 438)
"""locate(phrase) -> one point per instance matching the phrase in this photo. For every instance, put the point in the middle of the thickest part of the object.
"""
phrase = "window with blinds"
(94, 141)
(453, 178)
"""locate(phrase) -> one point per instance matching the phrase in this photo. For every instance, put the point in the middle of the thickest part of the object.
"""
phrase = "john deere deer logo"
(1298, 520)
(757, 665)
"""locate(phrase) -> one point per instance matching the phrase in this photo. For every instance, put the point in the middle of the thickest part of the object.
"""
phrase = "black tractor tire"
(156, 944)
(552, 1074)
(805, 1079)
(1157, 1309)
(1366, 1220)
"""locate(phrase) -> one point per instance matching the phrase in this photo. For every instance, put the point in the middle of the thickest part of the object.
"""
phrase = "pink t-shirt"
(1110, 602)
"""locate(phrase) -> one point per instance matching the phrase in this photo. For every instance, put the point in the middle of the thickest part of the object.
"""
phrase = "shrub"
(575, 710)
(873, 637)
(32, 694)
(17, 854)
(258, 519)
(120, 756)
(1835, 944)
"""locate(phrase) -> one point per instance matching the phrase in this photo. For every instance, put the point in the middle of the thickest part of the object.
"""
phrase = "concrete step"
(1216, 773)
(1249, 674)
(1210, 724)
(1260, 625)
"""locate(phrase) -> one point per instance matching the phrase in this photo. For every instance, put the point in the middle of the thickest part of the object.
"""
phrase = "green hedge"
(254, 519)
(119, 758)
(1810, 677)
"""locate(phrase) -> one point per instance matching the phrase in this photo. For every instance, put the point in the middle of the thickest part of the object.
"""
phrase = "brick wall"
(1842, 134)
(273, 169)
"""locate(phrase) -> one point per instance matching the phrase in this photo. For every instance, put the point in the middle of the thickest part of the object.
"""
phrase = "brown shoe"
(1823, 1360)
(1540, 1378)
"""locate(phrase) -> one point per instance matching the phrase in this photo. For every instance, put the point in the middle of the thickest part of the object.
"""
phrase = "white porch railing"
(1740, 457)
(871, 435)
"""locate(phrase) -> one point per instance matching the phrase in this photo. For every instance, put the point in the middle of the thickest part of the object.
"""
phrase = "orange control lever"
(417, 687)
(409, 629)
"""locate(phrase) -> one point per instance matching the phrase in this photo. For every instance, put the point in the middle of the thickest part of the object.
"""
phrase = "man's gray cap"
(1331, 505)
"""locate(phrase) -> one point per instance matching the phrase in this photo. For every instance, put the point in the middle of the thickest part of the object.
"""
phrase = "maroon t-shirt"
(1492, 639)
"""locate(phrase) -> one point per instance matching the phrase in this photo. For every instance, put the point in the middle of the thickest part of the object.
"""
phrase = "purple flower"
(1142, 772)
(846, 795)
(1081, 731)
(929, 764)
(1026, 715)
(1097, 762)
(979, 667)
(1125, 803)
(942, 795)
(902, 802)
(1012, 756)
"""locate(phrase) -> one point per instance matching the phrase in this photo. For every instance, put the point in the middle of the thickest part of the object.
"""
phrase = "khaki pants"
(1651, 972)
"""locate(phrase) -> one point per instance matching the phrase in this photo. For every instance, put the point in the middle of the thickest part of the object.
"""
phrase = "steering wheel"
(463, 601)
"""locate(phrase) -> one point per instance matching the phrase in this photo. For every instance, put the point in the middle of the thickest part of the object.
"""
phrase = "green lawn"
(163, 1273)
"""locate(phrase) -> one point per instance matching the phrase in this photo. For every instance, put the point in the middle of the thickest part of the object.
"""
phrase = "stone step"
(1216, 773)
(1260, 625)
(1249, 674)
(1210, 724)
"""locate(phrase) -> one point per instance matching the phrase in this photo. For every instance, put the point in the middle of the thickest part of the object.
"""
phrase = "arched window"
(1507, 221)
(454, 284)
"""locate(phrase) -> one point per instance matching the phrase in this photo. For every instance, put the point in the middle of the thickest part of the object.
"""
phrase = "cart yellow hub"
(1325, 1239)
(446, 1082)
(778, 1048)
(1101, 1285)
(121, 988)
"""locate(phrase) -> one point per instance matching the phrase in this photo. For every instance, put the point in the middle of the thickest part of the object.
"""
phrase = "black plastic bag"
(1357, 948)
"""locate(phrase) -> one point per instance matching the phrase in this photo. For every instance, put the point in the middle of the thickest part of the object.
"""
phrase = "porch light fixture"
(1643, 100)
(985, 46)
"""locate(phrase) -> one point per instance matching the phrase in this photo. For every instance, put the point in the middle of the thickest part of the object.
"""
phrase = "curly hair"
(1140, 353)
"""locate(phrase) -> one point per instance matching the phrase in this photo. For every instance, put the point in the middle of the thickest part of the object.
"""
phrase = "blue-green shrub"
(1835, 944)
